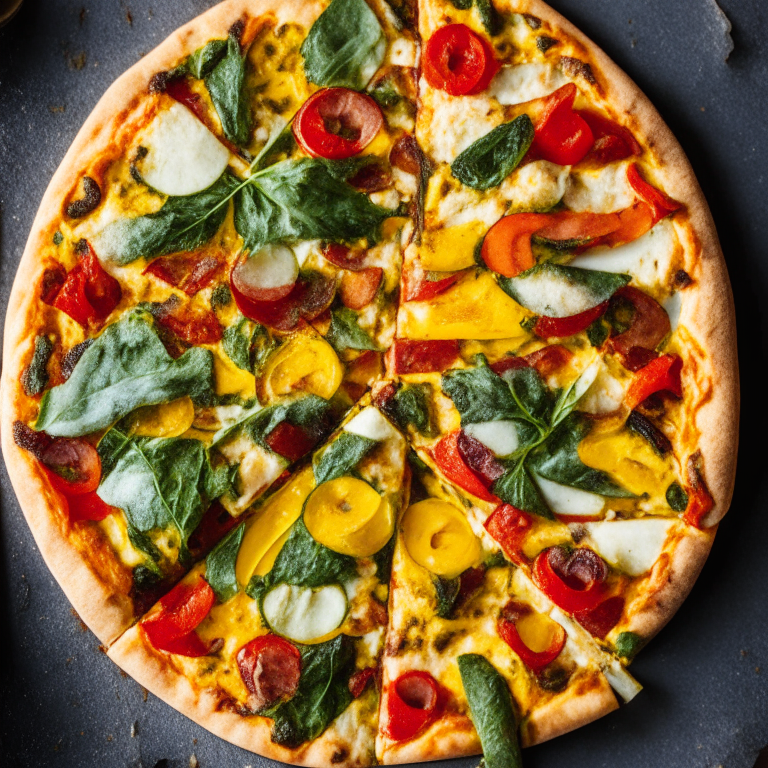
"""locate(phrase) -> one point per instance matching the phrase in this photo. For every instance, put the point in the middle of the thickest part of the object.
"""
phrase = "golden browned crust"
(451, 736)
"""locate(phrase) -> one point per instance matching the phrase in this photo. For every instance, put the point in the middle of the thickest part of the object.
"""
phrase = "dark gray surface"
(705, 703)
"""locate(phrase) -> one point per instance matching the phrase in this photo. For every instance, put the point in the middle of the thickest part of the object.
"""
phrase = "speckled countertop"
(705, 703)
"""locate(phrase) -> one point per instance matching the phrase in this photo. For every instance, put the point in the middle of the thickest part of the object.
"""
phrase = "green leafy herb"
(342, 455)
(323, 693)
(496, 560)
(58, 238)
(221, 296)
(204, 59)
(345, 331)
(221, 481)
(144, 543)
(345, 46)
(34, 378)
(410, 406)
(517, 488)
(628, 644)
(248, 344)
(597, 333)
(446, 592)
(489, 16)
(145, 578)
(220, 565)
(490, 705)
(126, 367)
(383, 560)
(225, 84)
(462, 5)
(677, 498)
(489, 161)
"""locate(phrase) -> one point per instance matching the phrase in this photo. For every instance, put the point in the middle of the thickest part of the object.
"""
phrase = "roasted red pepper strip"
(549, 360)
(290, 441)
(509, 526)
(613, 142)
(568, 596)
(359, 681)
(412, 703)
(416, 286)
(562, 135)
(561, 327)
(53, 278)
(448, 458)
(193, 324)
(700, 501)
(599, 621)
(660, 375)
(88, 506)
(506, 247)
(507, 630)
(661, 205)
(190, 272)
(406, 356)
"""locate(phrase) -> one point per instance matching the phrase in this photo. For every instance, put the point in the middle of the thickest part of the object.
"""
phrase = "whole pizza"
(369, 381)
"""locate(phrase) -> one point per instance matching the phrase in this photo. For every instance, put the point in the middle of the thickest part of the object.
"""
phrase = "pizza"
(370, 380)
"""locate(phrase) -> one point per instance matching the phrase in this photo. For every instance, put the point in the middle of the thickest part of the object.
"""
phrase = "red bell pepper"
(613, 142)
(562, 135)
(660, 375)
(549, 360)
(190, 272)
(507, 630)
(193, 324)
(290, 441)
(412, 704)
(506, 247)
(448, 458)
(599, 621)
(660, 204)
(359, 681)
(509, 526)
(416, 286)
(562, 327)
(405, 356)
(573, 593)
(700, 501)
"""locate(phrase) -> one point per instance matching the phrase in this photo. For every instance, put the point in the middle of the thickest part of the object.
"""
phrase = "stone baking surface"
(705, 703)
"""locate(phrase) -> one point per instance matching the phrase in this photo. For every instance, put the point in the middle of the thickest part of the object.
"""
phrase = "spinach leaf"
(144, 544)
(221, 481)
(323, 693)
(517, 488)
(480, 395)
(558, 460)
(248, 344)
(305, 562)
(677, 498)
(628, 644)
(489, 16)
(157, 482)
(182, 224)
(204, 59)
(342, 455)
(34, 378)
(220, 565)
(225, 84)
(462, 5)
(490, 705)
(126, 367)
(530, 393)
(410, 405)
(345, 331)
(383, 559)
(489, 160)
(221, 296)
(446, 593)
(304, 200)
(345, 46)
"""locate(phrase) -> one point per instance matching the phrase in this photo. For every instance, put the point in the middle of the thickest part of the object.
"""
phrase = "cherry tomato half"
(412, 702)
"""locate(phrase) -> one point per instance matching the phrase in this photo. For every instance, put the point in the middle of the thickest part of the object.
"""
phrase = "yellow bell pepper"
(266, 562)
(537, 631)
(163, 420)
(450, 249)
(231, 380)
(439, 538)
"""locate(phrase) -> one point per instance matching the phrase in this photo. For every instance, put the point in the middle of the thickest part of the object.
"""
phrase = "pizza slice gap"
(274, 640)
(454, 593)
(563, 492)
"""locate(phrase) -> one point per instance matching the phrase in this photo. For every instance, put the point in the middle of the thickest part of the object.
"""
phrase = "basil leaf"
(342, 455)
(225, 84)
(489, 16)
(489, 161)
(569, 397)
(323, 692)
(516, 487)
(204, 59)
(305, 562)
(490, 706)
(237, 344)
(34, 377)
(345, 46)
(446, 593)
(345, 331)
(221, 481)
(182, 224)
(220, 565)
(480, 395)
(157, 482)
(126, 367)
(462, 5)
(558, 460)
(532, 396)
(304, 200)
(144, 543)
(410, 405)
(677, 498)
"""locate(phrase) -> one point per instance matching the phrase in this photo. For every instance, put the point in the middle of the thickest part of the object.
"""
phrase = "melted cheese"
(537, 186)
(601, 190)
(525, 82)
(632, 546)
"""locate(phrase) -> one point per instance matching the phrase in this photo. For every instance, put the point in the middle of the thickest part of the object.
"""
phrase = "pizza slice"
(454, 593)
(273, 641)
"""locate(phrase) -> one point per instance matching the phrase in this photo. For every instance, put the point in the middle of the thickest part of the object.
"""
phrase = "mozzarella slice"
(564, 500)
(605, 394)
(537, 186)
(647, 259)
(303, 614)
(371, 424)
(525, 82)
(673, 306)
(499, 436)
(183, 157)
(547, 293)
(604, 190)
(632, 546)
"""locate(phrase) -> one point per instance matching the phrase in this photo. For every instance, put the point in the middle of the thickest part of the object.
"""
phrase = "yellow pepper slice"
(348, 516)
(271, 522)
(439, 538)
(537, 631)
(231, 380)
(306, 362)
(266, 562)
(450, 249)
(163, 420)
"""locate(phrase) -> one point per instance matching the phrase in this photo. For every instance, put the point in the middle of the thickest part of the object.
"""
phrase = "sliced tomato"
(573, 581)
(360, 680)
(660, 204)
(507, 630)
(562, 327)
(660, 375)
(405, 356)
(189, 272)
(613, 142)
(418, 287)
(88, 506)
(458, 61)
(181, 611)
(509, 526)
(344, 257)
(270, 667)
(599, 621)
(451, 463)
(290, 441)
(358, 289)
(73, 465)
(700, 501)
(649, 324)
(549, 360)
(412, 704)
(193, 324)
(562, 135)
(506, 247)
(337, 123)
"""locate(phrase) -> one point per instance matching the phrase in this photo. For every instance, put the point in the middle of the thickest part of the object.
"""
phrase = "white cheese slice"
(402, 52)
(564, 500)
(537, 186)
(498, 436)
(673, 307)
(647, 259)
(605, 395)
(525, 82)
(604, 190)
(183, 156)
(632, 546)
(371, 424)
(303, 614)
(115, 529)
(547, 293)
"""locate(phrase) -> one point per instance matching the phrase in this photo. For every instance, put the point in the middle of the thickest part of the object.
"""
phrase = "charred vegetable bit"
(677, 498)
(88, 203)
(647, 429)
(34, 378)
